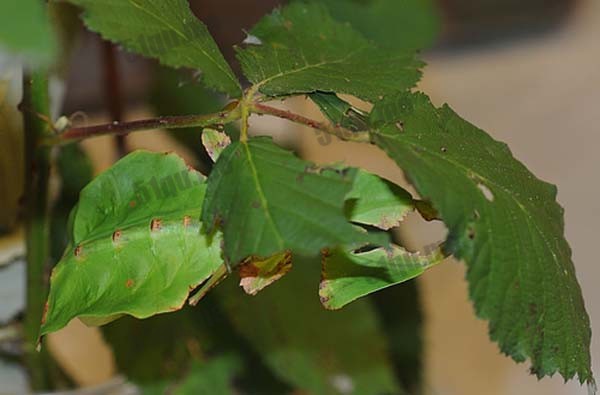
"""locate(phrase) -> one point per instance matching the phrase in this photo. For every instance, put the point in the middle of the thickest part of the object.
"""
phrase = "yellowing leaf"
(137, 244)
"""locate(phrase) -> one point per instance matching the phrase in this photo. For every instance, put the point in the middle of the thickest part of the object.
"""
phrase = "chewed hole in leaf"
(487, 193)
(471, 233)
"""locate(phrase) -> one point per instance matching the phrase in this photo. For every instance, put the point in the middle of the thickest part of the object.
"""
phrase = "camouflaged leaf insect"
(143, 259)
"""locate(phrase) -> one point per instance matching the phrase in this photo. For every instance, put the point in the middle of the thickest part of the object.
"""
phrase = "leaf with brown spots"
(138, 260)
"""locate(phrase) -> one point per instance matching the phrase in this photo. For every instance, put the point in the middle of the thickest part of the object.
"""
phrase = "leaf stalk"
(338, 131)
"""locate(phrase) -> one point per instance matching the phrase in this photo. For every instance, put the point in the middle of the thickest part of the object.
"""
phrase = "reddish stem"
(340, 132)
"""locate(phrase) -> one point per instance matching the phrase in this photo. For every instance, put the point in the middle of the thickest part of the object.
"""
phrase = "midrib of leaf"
(261, 195)
(184, 37)
(305, 67)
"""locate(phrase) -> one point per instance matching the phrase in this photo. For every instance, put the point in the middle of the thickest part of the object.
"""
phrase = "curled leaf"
(257, 274)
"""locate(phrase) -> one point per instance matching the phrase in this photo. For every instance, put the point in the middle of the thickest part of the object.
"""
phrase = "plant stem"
(341, 133)
(37, 173)
(232, 112)
(122, 128)
(112, 91)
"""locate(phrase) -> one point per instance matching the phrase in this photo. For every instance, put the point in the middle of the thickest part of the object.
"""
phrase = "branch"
(338, 131)
(37, 221)
(228, 114)
(112, 92)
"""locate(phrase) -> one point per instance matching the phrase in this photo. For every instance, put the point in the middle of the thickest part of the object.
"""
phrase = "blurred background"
(525, 72)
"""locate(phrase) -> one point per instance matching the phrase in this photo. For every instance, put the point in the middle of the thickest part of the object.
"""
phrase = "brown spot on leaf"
(248, 270)
(155, 225)
(78, 251)
(471, 233)
(533, 309)
(116, 236)
(132, 204)
(323, 282)
(129, 283)
(187, 221)
(45, 313)
(255, 204)
(257, 273)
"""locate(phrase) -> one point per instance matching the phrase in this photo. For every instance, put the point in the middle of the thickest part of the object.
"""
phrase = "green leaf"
(162, 29)
(340, 112)
(377, 202)
(160, 351)
(401, 319)
(504, 222)
(396, 24)
(76, 171)
(317, 351)
(302, 50)
(347, 276)
(268, 201)
(214, 377)
(137, 247)
(25, 30)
